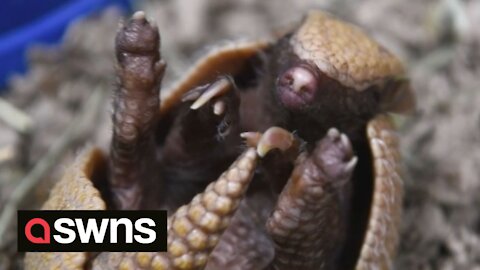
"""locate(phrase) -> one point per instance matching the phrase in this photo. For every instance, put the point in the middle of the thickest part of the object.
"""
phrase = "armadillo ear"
(398, 97)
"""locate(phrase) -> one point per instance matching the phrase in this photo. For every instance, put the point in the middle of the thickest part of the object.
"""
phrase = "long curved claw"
(277, 166)
(278, 138)
(199, 142)
(222, 109)
(136, 101)
(307, 222)
(272, 138)
(216, 89)
(194, 229)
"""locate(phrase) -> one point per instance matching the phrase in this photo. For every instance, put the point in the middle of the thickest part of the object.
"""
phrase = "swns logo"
(74, 231)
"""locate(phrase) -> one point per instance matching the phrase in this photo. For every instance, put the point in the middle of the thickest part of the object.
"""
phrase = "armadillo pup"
(267, 154)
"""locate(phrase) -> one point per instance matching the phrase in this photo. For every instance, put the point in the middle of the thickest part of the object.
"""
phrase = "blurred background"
(55, 99)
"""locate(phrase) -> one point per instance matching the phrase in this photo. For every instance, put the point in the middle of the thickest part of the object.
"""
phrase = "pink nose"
(297, 86)
(300, 79)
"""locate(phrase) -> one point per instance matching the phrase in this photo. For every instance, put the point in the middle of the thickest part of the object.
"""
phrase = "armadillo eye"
(296, 87)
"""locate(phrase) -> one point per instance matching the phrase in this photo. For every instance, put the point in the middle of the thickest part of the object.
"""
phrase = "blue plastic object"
(27, 22)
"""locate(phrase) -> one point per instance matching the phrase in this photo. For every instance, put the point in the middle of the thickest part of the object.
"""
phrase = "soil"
(437, 40)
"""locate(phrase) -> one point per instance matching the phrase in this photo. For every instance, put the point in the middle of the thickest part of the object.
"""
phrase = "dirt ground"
(438, 40)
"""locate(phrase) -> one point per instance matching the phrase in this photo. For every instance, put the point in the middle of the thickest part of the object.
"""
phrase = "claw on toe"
(139, 15)
(216, 89)
(219, 107)
(273, 138)
(333, 133)
(336, 156)
(251, 138)
(138, 36)
(351, 164)
(345, 141)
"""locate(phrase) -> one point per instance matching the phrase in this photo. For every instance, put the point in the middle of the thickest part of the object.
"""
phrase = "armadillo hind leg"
(306, 224)
(135, 110)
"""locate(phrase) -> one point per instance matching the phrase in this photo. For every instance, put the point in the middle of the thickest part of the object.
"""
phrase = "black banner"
(76, 231)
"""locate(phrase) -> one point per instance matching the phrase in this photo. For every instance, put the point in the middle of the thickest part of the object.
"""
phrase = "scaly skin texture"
(75, 191)
(194, 229)
(326, 193)
(135, 105)
(382, 237)
(307, 224)
(343, 52)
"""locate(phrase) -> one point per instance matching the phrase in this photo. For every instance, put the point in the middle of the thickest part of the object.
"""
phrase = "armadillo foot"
(307, 223)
